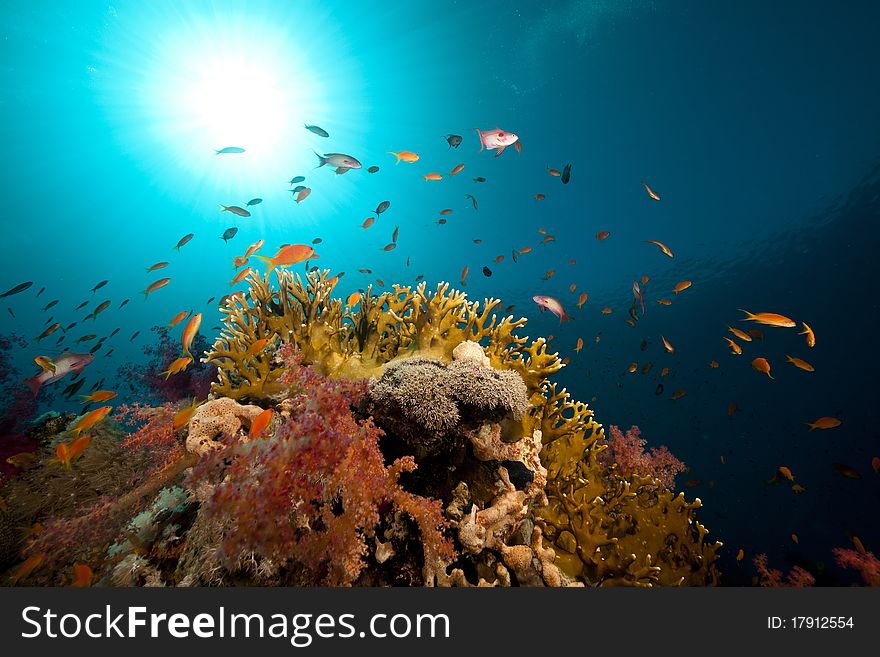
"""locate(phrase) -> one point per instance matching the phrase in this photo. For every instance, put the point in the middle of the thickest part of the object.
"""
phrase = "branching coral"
(796, 578)
(865, 563)
(627, 453)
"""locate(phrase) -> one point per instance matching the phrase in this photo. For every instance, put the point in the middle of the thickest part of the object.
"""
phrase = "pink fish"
(65, 364)
(637, 293)
(496, 138)
(552, 305)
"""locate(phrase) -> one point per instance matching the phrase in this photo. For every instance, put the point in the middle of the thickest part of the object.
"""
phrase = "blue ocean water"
(755, 122)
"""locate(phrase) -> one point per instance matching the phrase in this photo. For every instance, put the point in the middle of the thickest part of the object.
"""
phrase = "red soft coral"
(867, 564)
(770, 577)
(628, 453)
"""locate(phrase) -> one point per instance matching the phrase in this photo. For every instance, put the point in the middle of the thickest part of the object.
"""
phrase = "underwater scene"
(485, 293)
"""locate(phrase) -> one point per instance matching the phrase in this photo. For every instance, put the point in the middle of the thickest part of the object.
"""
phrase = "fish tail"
(395, 155)
(482, 143)
(269, 261)
(222, 209)
(811, 425)
(146, 294)
(748, 315)
(33, 384)
(322, 159)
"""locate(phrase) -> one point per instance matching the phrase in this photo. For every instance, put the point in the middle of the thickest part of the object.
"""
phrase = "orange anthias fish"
(288, 255)
(177, 366)
(740, 555)
(368, 222)
(65, 454)
(240, 276)
(824, 423)
(464, 273)
(257, 347)
(713, 364)
(405, 156)
(632, 368)
(540, 197)
(253, 248)
(498, 259)
(389, 247)
(27, 568)
(734, 347)
(650, 191)
(432, 176)
(668, 346)
(666, 250)
(158, 265)
(302, 194)
(785, 472)
(181, 418)
(811, 337)
(582, 299)
(457, 169)
(603, 235)
(645, 280)
(732, 409)
(553, 172)
(678, 394)
(681, 287)
(353, 299)
(742, 335)
(239, 261)
(572, 287)
(802, 364)
(82, 576)
(770, 319)
(99, 396)
(525, 249)
(580, 345)
(155, 285)
(550, 273)
(178, 318)
(875, 464)
(607, 310)
(261, 423)
(189, 332)
(762, 365)
(664, 302)
(90, 419)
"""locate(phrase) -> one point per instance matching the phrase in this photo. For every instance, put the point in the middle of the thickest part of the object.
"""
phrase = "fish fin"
(482, 143)
(33, 384)
(321, 158)
(395, 155)
(269, 261)
(222, 209)
(500, 150)
(748, 314)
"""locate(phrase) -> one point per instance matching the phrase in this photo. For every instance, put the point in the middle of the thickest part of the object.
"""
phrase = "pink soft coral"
(770, 577)
(867, 564)
(628, 453)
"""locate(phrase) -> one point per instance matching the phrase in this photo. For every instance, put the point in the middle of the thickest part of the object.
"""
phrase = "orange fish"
(290, 254)
(548, 238)
(380, 282)
(740, 555)
(761, 365)
(543, 231)
(845, 471)
(82, 576)
(498, 259)
(742, 335)
(368, 222)
(464, 273)
(261, 423)
(668, 346)
(177, 366)
(647, 368)
(632, 368)
(155, 285)
(252, 249)
(27, 567)
(664, 302)
(662, 247)
(733, 408)
(189, 332)
(802, 364)
(794, 537)
(540, 197)
(664, 372)
(607, 311)
(785, 472)
(553, 172)
(580, 345)
(681, 287)
(90, 419)
(99, 396)
(181, 418)
(582, 299)
(405, 156)
(550, 273)
(602, 235)
(433, 176)
(389, 247)
(257, 346)
(713, 364)
(572, 261)
(678, 394)
(650, 191)
(770, 319)
(239, 261)
(525, 249)
(572, 287)
(734, 347)
(446, 211)
(875, 464)
(302, 194)
(456, 170)
(824, 423)
(860, 548)
(645, 280)
(178, 318)
(240, 276)
(353, 299)
(811, 337)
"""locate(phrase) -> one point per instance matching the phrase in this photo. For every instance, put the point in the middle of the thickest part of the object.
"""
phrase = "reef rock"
(215, 418)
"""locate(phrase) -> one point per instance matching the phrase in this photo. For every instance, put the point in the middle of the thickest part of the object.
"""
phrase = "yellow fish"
(770, 319)
(177, 366)
(811, 337)
(802, 364)
(742, 335)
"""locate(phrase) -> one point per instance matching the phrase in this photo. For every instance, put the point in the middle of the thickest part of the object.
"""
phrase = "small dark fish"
(230, 149)
(384, 205)
(566, 174)
(228, 234)
(42, 289)
(389, 247)
(297, 179)
(643, 345)
(373, 169)
(48, 321)
(70, 326)
(365, 271)
(123, 303)
(633, 314)
(513, 254)
(395, 233)
(136, 333)
(50, 304)
(454, 141)
(297, 189)
(419, 277)
(108, 353)
(101, 308)
(82, 305)
(60, 340)
(114, 332)
(313, 269)
(183, 240)
(86, 338)
(317, 240)
(659, 389)
(254, 201)
(317, 130)
(210, 300)
(473, 200)
(21, 287)
(10, 312)
(479, 179)
(96, 386)
(407, 261)
(487, 272)
(99, 286)
(73, 388)
(846, 471)
(49, 331)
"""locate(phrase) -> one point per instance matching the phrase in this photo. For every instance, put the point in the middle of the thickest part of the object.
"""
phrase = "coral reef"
(627, 453)
(218, 417)
(867, 565)
(770, 577)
